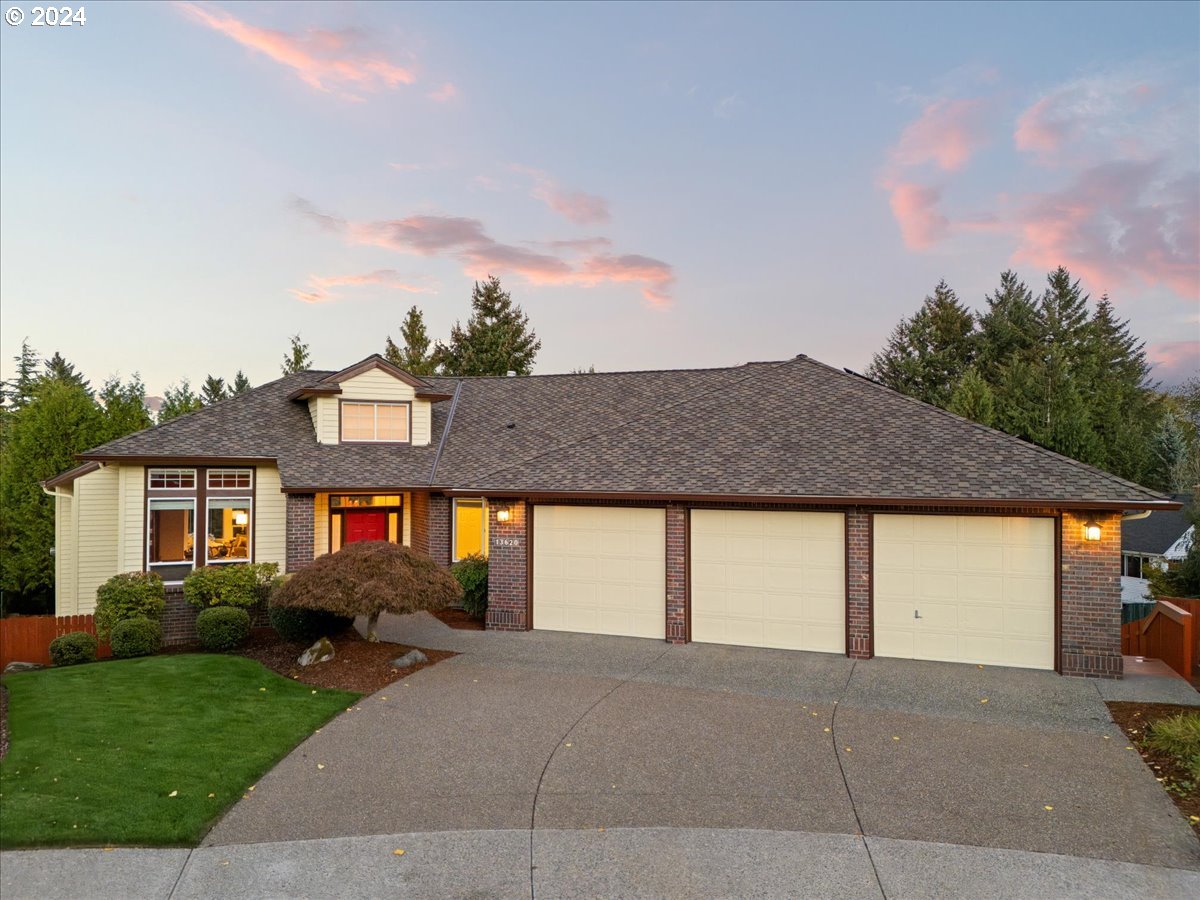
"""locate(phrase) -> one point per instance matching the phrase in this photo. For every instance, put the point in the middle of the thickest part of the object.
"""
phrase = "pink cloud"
(947, 133)
(1039, 131)
(656, 276)
(444, 94)
(915, 208)
(1174, 361)
(318, 290)
(325, 60)
(575, 206)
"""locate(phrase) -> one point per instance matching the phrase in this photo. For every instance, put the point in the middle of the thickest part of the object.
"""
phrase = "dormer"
(372, 402)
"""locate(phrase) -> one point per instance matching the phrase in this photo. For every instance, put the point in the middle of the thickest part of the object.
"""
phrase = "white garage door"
(976, 589)
(769, 579)
(600, 570)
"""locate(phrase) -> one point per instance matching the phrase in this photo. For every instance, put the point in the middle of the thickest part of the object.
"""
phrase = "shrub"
(297, 624)
(1179, 736)
(222, 627)
(472, 573)
(138, 636)
(368, 578)
(126, 596)
(230, 584)
(72, 649)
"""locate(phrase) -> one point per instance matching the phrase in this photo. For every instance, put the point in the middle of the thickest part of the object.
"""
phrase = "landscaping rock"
(411, 658)
(321, 651)
(17, 666)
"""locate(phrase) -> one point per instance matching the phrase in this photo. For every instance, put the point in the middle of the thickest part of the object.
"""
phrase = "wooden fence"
(27, 638)
(1169, 633)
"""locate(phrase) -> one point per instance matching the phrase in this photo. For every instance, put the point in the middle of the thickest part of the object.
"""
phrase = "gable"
(373, 383)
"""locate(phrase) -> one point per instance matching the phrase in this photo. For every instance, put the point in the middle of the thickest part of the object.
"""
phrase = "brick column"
(858, 584)
(178, 619)
(677, 567)
(439, 528)
(507, 566)
(1091, 597)
(419, 516)
(300, 522)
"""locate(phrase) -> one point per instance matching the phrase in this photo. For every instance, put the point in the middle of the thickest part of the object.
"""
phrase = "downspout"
(1131, 517)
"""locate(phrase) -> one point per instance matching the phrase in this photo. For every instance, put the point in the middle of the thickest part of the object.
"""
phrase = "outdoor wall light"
(1091, 530)
(502, 514)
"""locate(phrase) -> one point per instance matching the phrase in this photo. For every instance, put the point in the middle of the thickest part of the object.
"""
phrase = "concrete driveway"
(547, 734)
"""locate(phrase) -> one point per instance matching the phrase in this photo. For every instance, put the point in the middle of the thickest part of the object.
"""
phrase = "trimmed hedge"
(73, 648)
(297, 624)
(138, 636)
(472, 573)
(230, 584)
(127, 596)
(222, 627)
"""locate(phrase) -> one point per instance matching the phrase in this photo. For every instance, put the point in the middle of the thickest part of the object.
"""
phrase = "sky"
(184, 185)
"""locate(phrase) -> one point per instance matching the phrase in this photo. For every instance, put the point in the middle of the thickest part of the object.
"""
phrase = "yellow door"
(600, 570)
(769, 579)
(976, 589)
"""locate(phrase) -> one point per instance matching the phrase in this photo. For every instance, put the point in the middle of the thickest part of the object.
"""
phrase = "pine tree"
(972, 399)
(1009, 329)
(213, 390)
(241, 384)
(124, 408)
(19, 391)
(497, 339)
(414, 356)
(927, 354)
(1169, 452)
(298, 358)
(58, 369)
(178, 400)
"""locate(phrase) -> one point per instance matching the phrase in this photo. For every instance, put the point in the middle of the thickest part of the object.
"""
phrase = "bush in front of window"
(222, 627)
(231, 584)
(138, 636)
(127, 596)
(472, 573)
(294, 624)
(73, 649)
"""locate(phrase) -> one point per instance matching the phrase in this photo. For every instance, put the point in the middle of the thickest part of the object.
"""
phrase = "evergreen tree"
(497, 339)
(213, 390)
(927, 354)
(972, 399)
(19, 391)
(57, 368)
(241, 384)
(414, 356)
(178, 400)
(124, 408)
(298, 358)
(1169, 454)
(1009, 329)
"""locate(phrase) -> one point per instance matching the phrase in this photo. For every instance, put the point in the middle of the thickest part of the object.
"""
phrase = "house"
(1156, 540)
(777, 504)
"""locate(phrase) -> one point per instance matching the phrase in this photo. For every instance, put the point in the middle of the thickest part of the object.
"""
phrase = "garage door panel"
(937, 557)
(824, 581)
(982, 588)
(899, 555)
(981, 558)
(986, 530)
(929, 529)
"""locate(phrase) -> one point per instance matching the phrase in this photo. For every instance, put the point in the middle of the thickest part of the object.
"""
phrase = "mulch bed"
(1132, 718)
(458, 618)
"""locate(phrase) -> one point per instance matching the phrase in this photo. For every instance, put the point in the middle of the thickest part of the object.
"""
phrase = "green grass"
(1180, 736)
(97, 750)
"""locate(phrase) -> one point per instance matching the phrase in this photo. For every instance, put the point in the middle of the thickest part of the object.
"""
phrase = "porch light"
(502, 514)
(1091, 530)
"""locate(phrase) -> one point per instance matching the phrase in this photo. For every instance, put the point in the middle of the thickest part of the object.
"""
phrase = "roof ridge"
(733, 368)
(860, 378)
(656, 411)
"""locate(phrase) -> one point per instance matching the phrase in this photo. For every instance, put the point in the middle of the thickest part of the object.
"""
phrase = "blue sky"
(186, 184)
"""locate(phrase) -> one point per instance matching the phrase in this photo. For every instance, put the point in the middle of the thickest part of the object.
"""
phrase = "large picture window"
(228, 530)
(470, 527)
(171, 541)
(198, 516)
(374, 422)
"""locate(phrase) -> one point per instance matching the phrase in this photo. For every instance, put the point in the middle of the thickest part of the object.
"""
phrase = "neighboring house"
(1156, 540)
(784, 504)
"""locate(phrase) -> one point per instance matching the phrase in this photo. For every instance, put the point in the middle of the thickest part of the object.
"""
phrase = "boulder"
(321, 651)
(17, 666)
(411, 658)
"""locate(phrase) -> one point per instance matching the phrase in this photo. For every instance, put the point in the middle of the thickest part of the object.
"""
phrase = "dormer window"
(375, 422)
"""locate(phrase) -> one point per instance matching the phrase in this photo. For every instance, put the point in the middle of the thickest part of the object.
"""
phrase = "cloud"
(318, 285)
(582, 262)
(915, 209)
(329, 61)
(727, 106)
(947, 134)
(575, 206)
(1174, 361)
(444, 94)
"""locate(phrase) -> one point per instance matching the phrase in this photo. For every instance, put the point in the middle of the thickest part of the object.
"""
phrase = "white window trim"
(183, 562)
(483, 537)
(224, 501)
(150, 477)
(375, 404)
(208, 477)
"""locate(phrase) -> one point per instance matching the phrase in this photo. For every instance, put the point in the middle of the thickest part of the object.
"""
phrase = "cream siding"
(131, 520)
(98, 497)
(314, 407)
(66, 571)
(374, 384)
(270, 518)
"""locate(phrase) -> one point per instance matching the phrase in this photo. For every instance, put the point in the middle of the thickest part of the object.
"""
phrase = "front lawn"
(145, 751)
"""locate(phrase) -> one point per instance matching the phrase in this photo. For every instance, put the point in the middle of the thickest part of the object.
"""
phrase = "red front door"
(365, 525)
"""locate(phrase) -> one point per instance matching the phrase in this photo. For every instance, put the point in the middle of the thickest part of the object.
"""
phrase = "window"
(470, 527)
(374, 422)
(364, 517)
(171, 538)
(228, 478)
(228, 530)
(357, 500)
(172, 479)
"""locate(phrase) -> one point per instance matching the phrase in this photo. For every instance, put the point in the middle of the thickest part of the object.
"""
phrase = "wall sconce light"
(502, 514)
(1091, 530)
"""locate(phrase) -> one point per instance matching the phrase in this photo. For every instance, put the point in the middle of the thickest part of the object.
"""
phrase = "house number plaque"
(507, 542)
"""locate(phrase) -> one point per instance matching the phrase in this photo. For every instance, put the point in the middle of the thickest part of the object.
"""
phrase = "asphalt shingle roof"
(795, 428)
(1155, 535)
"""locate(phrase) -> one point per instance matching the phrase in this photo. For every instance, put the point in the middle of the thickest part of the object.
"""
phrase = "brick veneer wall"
(179, 618)
(419, 518)
(439, 528)
(1091, 597)
(507, 566)
(858, 584)
(301, 516)
(677, 574)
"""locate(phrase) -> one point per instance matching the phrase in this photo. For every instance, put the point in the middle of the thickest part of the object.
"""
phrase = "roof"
(1180, 549)
(795, 429)
(1155, 534)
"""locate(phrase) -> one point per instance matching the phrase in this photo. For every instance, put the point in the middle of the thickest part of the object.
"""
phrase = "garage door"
(600, 569)
(769, 579)
(976, 589)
